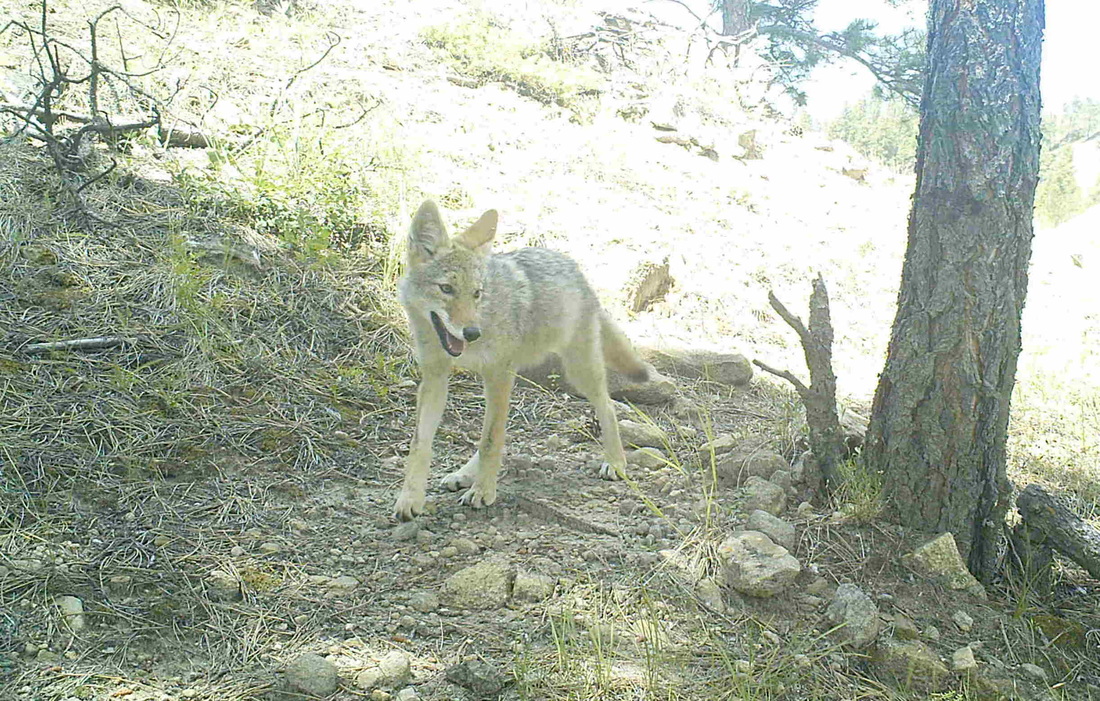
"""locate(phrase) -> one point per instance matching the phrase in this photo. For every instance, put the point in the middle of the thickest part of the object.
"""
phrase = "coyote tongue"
(450, 342)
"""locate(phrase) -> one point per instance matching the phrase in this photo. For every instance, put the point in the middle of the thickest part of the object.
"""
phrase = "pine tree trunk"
(735, 16)
(939, 422)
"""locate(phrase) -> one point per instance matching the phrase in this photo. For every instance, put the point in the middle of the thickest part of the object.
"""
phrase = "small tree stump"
(826, 438)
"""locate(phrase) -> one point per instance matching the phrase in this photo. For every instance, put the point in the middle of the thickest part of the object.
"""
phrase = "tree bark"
(736, 17)
(1061, 529)
(939, 421)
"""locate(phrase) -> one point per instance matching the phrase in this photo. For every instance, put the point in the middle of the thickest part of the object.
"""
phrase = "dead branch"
(1061, 529)
(79, 344)
(819, 398)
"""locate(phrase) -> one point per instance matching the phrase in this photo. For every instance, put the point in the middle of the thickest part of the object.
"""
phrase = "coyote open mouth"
(448, 340)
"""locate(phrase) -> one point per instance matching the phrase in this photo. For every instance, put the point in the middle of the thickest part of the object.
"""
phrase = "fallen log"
(1062, 530)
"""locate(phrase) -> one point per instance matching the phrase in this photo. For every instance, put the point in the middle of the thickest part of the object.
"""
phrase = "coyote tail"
(619, 353)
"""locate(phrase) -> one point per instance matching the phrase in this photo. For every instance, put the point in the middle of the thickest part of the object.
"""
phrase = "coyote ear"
(427, 236)
(481, 233)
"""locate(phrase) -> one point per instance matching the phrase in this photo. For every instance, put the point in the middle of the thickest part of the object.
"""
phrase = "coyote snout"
(495, 314)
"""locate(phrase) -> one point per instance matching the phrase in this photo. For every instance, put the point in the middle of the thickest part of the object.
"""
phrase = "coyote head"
(445, 275)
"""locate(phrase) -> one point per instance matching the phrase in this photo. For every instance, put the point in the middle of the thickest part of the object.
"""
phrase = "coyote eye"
(477, 294)
(447, 289)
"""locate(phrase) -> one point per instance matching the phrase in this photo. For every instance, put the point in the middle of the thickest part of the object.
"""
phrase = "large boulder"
(756, 566)
(731, 369)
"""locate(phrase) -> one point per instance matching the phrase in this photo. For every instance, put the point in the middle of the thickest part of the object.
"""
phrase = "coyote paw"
(478, 497)
(408, 506)
(611, 473)
(457, 480)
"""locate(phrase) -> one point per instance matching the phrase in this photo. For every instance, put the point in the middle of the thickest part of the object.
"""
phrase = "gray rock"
(760, 494)
(641, 435)
(962, 660)
(311, 675)
(756, 566)
(710, 594)
(481, 679)
(648, 458)
(781, 532)
(939, 560)
(424, 601)
(909, 665)
(396, 669)
(725, 368)
(782, 478)
(406, 531)
(466, 546)
(658, 390)
(407, 694)
(905, 628)
(223, 586)
(529, 586)
(486, 585)
(72, 612)
(343, 585)
(737, 466)
(720, 445)
(370, 678)
(852, 609)
(963, 621)
(1034, 672)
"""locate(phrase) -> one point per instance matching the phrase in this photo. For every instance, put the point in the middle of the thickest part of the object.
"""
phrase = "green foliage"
(1057, 198)
(882, 130)
(487, 52)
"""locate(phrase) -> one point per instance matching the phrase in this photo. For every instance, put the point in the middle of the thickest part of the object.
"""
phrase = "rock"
(342, 585)
(407, 694)
(532, 587)
(963, 621)
(756, 566)
(649, 282)
(657, 390)
(72, 612)
(962, 660)
(486, 585)
(369, 678)
(406, 531)
(737, 466)
(223, 586)
(481, 679)
(932, 633)
(1034, 672)
(647, 458)
(751, 148)
(1062, 632)
(781, 532)
(380, 695)
(395, 668)
(466, 546)
(270, 548)
(720, 445)
(760, 494)
(424, 601)
(782, 478)
(857, 613)
(730, 369)
(909, 665)
(939, 560)
(642, 435)
(710, 594)
(854, 428)
(311, 675)
(905, 628)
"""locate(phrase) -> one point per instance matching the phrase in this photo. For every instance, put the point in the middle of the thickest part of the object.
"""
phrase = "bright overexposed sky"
(1068, 51)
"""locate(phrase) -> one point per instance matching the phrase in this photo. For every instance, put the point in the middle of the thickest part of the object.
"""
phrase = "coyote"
(494, 314)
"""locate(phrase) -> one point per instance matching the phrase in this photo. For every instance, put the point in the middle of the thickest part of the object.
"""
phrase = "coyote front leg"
(431, 399)
(480, 473)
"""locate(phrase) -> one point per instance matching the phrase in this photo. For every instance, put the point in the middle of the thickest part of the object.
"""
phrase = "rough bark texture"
(735, 17)
(1061, 529)
(826, 437)
(940, 417)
